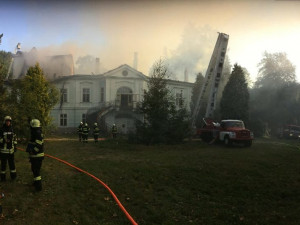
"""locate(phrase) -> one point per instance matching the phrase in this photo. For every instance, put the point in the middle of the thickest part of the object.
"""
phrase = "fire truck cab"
(234, 131)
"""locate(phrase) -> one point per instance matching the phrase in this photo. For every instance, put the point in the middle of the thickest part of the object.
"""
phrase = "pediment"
(125, 71)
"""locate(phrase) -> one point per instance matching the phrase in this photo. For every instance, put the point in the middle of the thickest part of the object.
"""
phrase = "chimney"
(97, 66)
(135, 60)
(186, 75)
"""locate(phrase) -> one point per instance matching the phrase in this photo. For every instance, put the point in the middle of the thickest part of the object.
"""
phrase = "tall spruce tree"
(163, 122)
(235, 99)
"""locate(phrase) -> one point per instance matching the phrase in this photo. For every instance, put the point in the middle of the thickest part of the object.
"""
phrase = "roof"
(77, 77)
(127, 67)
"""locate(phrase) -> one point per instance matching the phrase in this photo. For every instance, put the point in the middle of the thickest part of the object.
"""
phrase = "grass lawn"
(191, 183)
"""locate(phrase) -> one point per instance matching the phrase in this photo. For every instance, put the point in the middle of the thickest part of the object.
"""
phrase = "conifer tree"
(163, 122)
(235, 98)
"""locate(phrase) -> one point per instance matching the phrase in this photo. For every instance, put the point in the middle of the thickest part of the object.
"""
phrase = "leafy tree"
(275, 70)
(276, 107)
(5, 59)
(32, 97)
(3, 99)
(275, 96)
(235, 99)
(163, 123)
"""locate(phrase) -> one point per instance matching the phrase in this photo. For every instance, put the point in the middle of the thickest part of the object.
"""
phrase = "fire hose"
(97, 179)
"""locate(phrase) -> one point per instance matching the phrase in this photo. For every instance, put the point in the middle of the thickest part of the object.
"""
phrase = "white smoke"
(193, 53)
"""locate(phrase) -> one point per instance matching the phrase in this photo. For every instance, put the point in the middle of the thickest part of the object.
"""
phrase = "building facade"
(109, 98)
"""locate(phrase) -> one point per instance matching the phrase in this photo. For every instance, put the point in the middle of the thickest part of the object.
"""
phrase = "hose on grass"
(97, 179)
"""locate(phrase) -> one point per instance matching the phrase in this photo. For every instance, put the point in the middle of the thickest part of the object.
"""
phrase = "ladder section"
(217, 72)
(213, 76)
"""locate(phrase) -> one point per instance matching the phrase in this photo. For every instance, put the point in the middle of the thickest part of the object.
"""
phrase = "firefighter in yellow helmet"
(8, 142)
(35, 148)
(79, 131)
(96, 132)
(114, 131)
(85, 133)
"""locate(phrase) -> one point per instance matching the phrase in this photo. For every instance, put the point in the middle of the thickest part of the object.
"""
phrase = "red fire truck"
(228, 131)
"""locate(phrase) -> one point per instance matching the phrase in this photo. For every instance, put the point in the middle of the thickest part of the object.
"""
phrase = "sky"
(183, 33)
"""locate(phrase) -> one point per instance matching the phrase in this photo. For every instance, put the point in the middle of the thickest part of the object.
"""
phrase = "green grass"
(191, 183)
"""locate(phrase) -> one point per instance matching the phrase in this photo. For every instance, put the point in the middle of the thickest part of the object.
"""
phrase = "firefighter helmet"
(7, 118)
(86, 124)
(81, 123)
(35, 123)
(95, 124)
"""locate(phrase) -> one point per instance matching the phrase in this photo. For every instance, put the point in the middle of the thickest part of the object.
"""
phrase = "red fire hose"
(97, 179)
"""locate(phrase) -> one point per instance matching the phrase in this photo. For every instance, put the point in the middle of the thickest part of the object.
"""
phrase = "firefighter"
(85, 132)
(96, 132)
(8, 144)
(114, 131)
(35, 148)
(79, 131)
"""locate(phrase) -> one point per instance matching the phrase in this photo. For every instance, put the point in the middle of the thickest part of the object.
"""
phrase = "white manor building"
(109, 98)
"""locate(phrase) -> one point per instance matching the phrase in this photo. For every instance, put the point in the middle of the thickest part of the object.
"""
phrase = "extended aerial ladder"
(212, 78)
(17, 48)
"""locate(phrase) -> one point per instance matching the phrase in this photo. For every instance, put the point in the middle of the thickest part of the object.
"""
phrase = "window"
(86, 95)
(179, 100)
(63, 95)
(83, 118)
(63, 120)
(102, 95)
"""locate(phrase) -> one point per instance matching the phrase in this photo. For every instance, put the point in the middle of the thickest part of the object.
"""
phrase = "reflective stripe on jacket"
(8, 140)
(35, 147)
(96, 131)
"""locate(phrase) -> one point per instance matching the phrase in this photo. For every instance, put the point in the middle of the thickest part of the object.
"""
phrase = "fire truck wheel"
(227, 141)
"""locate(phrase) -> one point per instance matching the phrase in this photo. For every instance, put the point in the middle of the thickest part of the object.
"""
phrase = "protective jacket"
(114, 129)
(35, 147)
(79, 129)
(85, 130)
(96, 130)
(8, 140)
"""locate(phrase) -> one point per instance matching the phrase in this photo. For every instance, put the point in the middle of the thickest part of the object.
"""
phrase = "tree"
(235, 99)
(32, 97)
(195, 94)
(247, 77)
(5, 59)
(163, 122)
(275, 107)
(3, 99)
(275, 70)
(275, 96)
